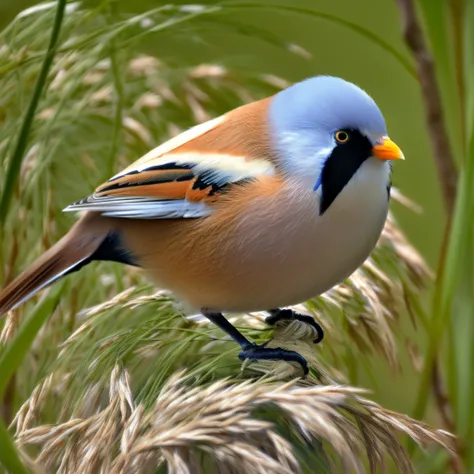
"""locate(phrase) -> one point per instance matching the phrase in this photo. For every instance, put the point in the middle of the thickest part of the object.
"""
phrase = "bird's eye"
(341, 136)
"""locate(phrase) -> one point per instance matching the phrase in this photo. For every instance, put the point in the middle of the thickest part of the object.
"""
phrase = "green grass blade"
(10, 359)
(459, 292)
(13, 171)
(447, 280)
(452, 305)
(119, 96)
(435, 13)
(469, 66)
(469, 110)
(13, 354)
(8, 453)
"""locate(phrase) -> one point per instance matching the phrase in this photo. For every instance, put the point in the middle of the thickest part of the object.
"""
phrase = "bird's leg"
(288, 314)
(250, 350)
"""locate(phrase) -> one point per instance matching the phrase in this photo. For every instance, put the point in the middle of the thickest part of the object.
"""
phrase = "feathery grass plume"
(218, 427)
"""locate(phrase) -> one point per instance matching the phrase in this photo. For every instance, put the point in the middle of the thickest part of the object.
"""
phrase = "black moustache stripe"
(340, 167)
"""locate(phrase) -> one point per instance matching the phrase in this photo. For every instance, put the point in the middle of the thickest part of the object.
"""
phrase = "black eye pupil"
(342, 136)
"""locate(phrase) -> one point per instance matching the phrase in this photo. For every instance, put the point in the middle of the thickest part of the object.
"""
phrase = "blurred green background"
(340, 51)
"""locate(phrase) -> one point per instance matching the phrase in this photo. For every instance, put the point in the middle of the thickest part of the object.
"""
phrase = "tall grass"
(88, 373)
(448, 46)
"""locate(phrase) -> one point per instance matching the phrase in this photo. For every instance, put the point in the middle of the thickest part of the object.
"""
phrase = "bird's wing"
(184, 177)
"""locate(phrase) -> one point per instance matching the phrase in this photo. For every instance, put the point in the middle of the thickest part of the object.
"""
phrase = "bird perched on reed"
(264, 207)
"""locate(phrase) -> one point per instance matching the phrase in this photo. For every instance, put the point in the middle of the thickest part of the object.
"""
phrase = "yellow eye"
(341, 136)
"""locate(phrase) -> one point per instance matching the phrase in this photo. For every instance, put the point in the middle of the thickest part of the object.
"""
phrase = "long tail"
(73, 251)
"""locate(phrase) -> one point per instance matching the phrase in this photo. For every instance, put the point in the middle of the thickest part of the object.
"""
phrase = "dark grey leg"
(250, 350)
(223, 324)
(288, 314)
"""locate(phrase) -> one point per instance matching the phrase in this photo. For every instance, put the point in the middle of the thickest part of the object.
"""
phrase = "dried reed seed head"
(218, 422)
(11, 322)
(208, 70)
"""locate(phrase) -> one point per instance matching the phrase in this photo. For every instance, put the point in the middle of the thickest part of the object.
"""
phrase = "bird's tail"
(69, 254)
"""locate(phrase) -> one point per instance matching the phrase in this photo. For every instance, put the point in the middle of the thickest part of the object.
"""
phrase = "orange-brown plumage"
(163, 244)
(244, 132)
(79, 243)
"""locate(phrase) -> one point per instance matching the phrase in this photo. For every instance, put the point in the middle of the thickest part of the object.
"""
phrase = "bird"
(260, 209)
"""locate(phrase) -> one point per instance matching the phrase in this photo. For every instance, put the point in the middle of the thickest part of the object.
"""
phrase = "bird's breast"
(293, 254)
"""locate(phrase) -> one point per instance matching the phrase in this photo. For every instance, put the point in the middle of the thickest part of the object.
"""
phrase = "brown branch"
(442, 152)
(442, 399)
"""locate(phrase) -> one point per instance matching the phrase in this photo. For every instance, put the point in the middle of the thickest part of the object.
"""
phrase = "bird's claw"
(288, 315)
(256, 352)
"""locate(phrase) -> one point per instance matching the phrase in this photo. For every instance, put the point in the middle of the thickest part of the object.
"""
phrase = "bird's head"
(325, 129)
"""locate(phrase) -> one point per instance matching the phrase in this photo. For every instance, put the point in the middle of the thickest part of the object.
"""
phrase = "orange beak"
(387, 150)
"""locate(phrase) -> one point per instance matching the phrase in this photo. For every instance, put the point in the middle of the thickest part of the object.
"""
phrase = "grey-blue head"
(324, 128)
(327, 103)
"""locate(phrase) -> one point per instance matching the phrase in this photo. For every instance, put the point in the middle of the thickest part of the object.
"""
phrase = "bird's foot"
(255, 352)
(289, 315)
